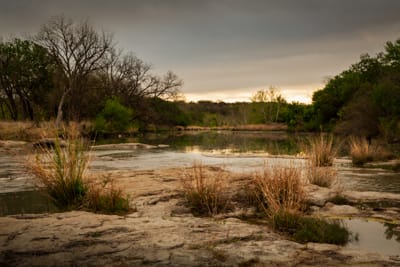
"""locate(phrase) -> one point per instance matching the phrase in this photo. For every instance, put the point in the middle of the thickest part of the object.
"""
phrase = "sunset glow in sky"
(228, 49)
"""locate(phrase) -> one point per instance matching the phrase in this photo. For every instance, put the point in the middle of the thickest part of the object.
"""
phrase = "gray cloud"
(217, 45)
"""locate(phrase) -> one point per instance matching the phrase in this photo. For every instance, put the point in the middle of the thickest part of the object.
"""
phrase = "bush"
(205, 193)
(114, 118)
(279, 189)
(310, 229)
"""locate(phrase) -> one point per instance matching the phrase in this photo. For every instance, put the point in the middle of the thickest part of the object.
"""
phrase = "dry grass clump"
(106, 196)
(321, 176)
(62, 173)
(321, 150)
(205, 192)
(28, 131)
(279, 189)
(362, 151)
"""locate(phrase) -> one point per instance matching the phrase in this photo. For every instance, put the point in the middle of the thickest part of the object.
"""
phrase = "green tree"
(26, 77)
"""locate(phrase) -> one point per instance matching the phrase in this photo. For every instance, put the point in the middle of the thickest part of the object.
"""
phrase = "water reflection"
(374, 236)
(25, 202)
(274, 143)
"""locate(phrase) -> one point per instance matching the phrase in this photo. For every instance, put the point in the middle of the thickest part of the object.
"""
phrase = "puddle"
(374, 236)
(25, 202)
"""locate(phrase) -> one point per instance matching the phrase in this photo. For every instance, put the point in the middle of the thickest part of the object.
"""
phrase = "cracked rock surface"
(162, 232)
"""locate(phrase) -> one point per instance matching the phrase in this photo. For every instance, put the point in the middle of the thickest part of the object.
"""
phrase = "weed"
(205, 192)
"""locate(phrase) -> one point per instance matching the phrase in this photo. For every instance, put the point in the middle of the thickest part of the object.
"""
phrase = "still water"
(235, 151)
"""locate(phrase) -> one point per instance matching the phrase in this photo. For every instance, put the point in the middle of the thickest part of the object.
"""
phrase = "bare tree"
(131, 78)
(77, 48)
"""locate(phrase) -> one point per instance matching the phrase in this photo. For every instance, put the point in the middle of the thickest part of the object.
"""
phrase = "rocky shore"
(163, 232)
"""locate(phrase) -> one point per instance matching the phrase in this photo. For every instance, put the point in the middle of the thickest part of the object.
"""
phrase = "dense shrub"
(114, 118)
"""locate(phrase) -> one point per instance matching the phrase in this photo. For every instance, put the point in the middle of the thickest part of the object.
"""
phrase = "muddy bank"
(163, 232)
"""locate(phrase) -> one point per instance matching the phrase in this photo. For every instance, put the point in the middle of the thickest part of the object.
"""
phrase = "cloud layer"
(228, 45)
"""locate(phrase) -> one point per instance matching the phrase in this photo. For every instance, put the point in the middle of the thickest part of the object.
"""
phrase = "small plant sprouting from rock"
(205, 192)
(62, 174)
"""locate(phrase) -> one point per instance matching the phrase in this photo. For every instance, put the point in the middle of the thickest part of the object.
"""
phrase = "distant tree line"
(69, 71)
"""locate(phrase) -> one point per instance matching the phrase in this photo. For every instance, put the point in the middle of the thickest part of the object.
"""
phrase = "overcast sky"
(228, 49)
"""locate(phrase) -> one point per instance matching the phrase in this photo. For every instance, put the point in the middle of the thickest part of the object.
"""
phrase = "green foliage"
(363, 100)
(26, 77)
(310, 229)
(114, 118)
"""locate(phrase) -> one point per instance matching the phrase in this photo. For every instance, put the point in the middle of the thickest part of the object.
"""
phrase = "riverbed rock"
(124, 146)
(331, 209)
(162, 232)
(318, 196)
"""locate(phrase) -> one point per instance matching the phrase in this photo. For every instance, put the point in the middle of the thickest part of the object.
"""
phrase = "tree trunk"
(60, 109)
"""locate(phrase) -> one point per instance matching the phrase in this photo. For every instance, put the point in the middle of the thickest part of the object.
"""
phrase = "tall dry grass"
(205, 192)
(106, 196)
(321, 154)
(62, 174)
(362, 151)
(322, 176)
(321, 150)
(61, 171)
(279, 189)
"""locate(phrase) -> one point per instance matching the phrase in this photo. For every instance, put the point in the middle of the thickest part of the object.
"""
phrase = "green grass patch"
(309, 229)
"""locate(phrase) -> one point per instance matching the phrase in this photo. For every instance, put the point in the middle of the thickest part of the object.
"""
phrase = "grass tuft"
(206, 193)
(362, 151)
(321, 176)
(106, 197)
(321, 150)
(309, 229)
(62, 174)
(279, 189)
(61, 170)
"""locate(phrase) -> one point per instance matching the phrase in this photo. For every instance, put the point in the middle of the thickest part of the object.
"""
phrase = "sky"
(226, 50)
